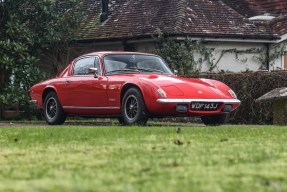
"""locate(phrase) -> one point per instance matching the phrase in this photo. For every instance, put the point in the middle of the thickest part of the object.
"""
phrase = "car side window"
(82, 66)
(97, 65)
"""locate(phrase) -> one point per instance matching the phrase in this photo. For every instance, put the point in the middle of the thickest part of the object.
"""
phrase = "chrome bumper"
(225, 101)
(33, 102)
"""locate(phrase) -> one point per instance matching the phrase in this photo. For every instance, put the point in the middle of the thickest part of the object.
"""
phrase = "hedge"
(249, 86)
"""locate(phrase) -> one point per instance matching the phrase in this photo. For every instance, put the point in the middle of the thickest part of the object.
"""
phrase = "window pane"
(82, 66)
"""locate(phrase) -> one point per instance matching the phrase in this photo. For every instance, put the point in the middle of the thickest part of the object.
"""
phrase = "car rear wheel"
(53, 111)
(133, 108)
(121, 121)
(215, 120)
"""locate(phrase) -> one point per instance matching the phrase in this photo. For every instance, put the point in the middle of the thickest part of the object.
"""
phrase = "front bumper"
(187, 101)
(198, 106)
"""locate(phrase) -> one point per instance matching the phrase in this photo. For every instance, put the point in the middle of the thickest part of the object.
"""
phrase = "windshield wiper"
(123, 70)
(150, 70)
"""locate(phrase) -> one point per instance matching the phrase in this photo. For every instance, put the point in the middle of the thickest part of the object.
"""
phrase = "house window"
(285, 59)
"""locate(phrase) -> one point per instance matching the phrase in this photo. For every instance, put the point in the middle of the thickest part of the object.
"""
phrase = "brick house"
(244, 34)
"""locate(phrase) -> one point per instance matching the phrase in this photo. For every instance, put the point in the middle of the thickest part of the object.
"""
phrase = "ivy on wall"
(259, 54)
(277, 51)
(184, 56)
(187, 56)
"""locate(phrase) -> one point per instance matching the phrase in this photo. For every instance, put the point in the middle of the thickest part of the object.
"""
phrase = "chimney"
(105, 10)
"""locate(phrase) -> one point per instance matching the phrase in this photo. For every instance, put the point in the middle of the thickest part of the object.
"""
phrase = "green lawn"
(114, 158)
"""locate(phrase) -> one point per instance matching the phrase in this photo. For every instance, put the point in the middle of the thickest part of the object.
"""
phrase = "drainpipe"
(105, 11)
(267, 56)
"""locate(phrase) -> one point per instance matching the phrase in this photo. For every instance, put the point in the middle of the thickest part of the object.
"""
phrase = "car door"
(83, 89)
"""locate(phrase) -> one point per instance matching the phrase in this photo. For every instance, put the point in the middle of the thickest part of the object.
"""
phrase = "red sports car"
(132, 87)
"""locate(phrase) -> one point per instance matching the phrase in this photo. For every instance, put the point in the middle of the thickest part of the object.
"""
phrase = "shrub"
(249, 86)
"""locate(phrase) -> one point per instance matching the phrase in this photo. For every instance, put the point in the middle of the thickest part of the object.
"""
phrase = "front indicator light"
(227, 108)
(162, 93)
(181, 108)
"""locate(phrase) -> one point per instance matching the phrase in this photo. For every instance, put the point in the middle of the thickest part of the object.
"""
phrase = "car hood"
(180, 87)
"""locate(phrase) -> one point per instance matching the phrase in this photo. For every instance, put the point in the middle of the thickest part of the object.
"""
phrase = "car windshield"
(134, 63)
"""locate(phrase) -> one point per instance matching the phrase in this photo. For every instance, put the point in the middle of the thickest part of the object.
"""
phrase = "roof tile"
(217, 18)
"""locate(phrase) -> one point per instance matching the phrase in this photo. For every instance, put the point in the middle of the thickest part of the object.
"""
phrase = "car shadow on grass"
(100, 122)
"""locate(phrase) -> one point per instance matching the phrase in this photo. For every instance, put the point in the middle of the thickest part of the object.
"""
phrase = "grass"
(111, 158)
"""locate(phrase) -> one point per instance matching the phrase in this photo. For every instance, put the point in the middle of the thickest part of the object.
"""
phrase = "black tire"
(53, 111)
(215, 120)
(121, 121)
(133, 108)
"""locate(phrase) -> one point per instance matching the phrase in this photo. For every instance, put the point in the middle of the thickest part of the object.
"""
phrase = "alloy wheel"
(51, 108)
(131, 107)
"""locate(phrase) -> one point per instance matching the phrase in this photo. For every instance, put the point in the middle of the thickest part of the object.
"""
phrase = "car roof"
(102, 53)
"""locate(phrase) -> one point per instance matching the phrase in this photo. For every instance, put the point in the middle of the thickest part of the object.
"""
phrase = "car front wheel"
(133, 108)
(53, 111)
(215, 120)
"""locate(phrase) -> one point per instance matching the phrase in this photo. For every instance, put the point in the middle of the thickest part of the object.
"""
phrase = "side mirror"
(94, 71)
(175, 72)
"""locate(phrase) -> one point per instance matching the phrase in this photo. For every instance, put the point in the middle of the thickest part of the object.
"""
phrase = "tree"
(27, 29)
